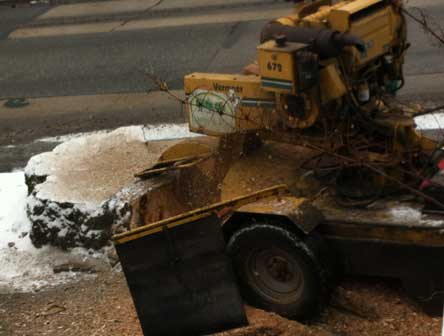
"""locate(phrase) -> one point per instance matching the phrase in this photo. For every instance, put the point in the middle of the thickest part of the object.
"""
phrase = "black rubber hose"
(343, 40)
(325, 42)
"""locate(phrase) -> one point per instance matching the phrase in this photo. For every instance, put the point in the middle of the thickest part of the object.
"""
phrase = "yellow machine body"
(277, 66)
(309, 138)
(375, 21)
(221, 104)
(378, 30)
(293, 89)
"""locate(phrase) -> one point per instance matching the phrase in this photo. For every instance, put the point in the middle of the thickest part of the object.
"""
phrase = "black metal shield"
(181, 280)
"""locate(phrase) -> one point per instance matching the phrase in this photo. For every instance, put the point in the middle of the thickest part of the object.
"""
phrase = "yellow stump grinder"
(309, 169)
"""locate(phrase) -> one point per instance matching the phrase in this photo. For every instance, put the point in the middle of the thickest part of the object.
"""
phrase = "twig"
(428, 111)
(136, 16)
(162, 85)
(382, 173)
(318, 194)
(424, 21)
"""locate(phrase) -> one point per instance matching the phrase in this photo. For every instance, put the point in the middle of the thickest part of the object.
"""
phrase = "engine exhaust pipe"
(325, 42)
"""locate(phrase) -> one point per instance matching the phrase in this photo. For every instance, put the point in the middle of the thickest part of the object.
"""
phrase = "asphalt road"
(115, 62)
(10, 18)
(95, 66)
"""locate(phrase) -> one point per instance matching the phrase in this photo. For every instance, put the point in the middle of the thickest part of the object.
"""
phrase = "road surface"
(80, 73)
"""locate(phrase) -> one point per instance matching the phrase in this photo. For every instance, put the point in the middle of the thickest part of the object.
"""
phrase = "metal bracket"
(171, 165)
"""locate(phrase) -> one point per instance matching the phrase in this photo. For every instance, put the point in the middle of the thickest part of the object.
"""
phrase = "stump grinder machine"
(309, 169)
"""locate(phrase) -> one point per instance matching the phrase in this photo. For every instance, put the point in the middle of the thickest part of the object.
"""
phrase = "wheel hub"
(275, 274)
(279, 268)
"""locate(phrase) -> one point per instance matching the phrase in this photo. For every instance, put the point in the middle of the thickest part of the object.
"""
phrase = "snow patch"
(13, 220)
(23, 267)
(66, 212)
(430, 121)
(410, 214)
(67, 137)
(94, 142)
(406, 214)
(140, 132)
(71, 186)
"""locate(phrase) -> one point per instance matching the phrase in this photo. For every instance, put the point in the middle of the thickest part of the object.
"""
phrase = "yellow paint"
(391, 234)
(276, 206)
(339, 17)
(278, 63)
(332, 85)
(242, 85)
(198, 214)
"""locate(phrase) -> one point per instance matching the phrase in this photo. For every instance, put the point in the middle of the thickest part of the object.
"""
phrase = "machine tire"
(294, 280)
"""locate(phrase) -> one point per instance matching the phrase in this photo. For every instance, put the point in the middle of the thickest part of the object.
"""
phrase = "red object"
(424, 184)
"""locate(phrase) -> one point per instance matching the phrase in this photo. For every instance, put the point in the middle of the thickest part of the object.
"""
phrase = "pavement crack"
(214, 57)
(233, 36)
(227, 43)
(136, 16)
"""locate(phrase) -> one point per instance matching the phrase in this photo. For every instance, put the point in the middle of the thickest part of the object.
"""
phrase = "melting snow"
(141, 133)
(13, 219)
(430, 121)
(406, 214)
(409, 215)
(23, 267)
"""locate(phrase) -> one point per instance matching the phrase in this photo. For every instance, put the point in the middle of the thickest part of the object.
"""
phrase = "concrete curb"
(151, 13)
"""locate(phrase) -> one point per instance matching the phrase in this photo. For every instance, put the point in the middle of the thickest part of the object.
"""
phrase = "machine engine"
(309, 65)
(325, 79)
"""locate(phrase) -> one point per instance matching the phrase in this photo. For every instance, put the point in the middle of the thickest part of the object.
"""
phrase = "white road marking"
(63, 30)
(93, 28)
(97, 8)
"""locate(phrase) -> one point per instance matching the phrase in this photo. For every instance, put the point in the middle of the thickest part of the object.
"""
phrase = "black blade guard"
(181, 280)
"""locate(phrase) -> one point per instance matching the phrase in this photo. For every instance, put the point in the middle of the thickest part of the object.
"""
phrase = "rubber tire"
(308, 253)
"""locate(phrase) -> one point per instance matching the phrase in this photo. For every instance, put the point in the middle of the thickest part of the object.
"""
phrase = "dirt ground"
(103, 306)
